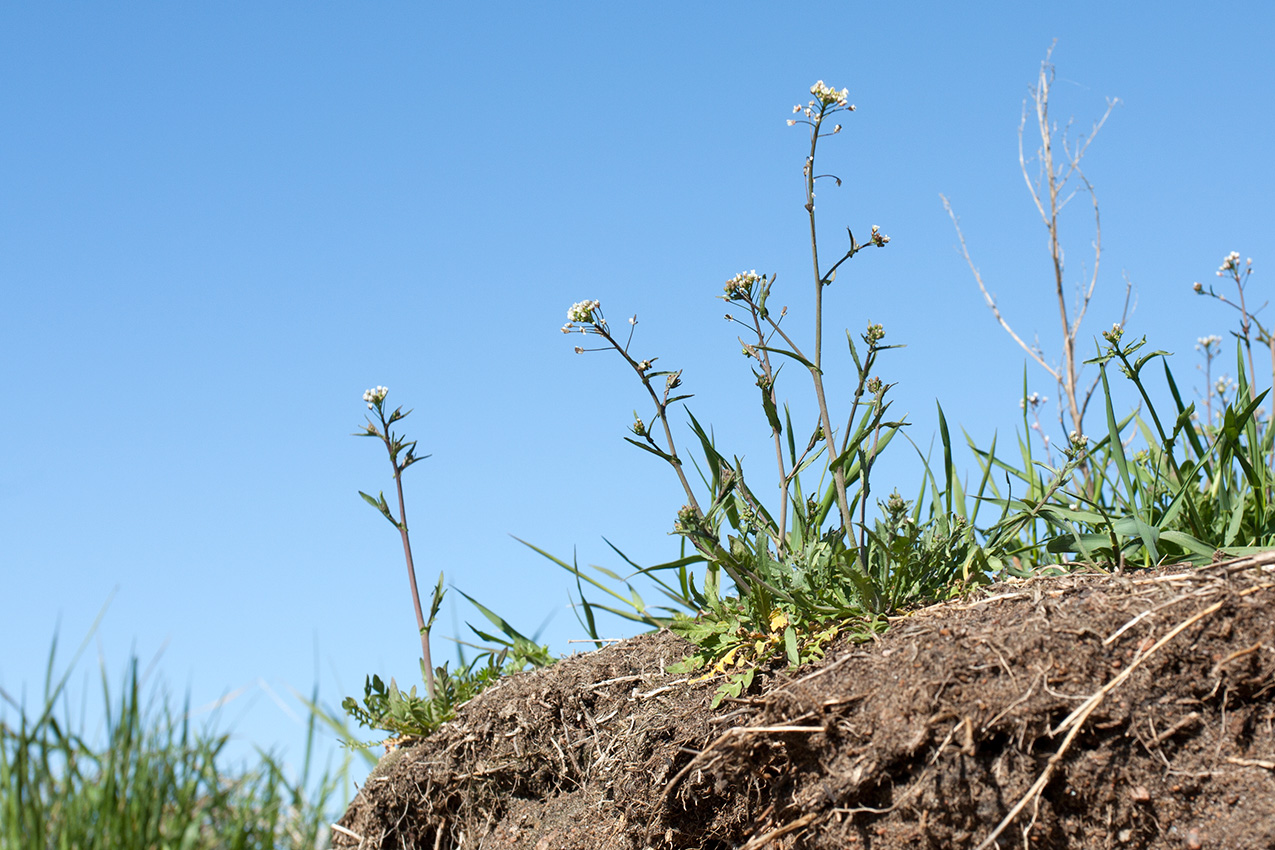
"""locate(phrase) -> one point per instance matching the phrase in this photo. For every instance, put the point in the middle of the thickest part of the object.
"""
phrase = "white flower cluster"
(375, 396)
(1035, 400)
(741, 284)
(1206, 343)
(1231, 263)
(582, 311)
(878, 238)
(825, 97)
(829, 96)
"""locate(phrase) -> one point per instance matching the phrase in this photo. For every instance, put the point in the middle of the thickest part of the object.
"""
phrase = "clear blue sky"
(220, 223)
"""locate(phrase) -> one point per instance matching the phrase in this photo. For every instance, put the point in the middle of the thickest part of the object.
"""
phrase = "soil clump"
(1085, 711)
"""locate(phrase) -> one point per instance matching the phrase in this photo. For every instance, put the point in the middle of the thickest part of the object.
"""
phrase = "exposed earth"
(1087, 711)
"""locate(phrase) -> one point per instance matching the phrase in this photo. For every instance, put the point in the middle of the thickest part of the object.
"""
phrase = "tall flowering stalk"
(853, 447)
(1250, 326)
(1210, 348)
(827, 102)
(586, 317)
(402, 454)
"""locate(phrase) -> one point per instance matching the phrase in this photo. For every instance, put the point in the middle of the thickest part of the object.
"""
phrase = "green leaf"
(792, 445)
(803, 361)
(854, 353)
(772, 413)
(953, 486)
(382, 506)
(575, 570)
(1145, 532)
(711, 455)
(790, 645)
(1189, 543)
(496, 620)
(436, 603)
(644, 447)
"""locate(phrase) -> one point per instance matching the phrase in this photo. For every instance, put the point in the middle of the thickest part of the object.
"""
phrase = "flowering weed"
(784, 578)
(403, 713)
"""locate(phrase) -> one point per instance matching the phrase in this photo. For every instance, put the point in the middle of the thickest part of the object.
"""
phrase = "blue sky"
(219, 224)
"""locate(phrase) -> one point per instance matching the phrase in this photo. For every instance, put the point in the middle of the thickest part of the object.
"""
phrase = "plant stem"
(411, 567)
(816, 373)
(781, 540)
(1246, 329)
(661, 409)
(1197, 525)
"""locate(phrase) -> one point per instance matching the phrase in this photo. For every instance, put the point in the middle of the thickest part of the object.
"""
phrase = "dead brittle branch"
(1059, 177)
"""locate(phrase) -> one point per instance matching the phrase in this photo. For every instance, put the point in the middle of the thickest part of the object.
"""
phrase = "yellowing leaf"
(727, 660)
(778, 620)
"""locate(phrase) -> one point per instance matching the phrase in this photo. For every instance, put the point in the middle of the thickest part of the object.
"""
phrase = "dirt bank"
(1089, 711)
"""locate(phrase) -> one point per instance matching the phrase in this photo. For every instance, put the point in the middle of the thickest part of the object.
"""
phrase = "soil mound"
(1087, 711)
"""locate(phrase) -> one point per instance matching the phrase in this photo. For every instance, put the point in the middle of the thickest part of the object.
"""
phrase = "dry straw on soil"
(1087, 711)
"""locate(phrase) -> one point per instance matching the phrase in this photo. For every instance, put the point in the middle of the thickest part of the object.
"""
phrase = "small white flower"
(582, 311)
(828, 96)
(740, 285)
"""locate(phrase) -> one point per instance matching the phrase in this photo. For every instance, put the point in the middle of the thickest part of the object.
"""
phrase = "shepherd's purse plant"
(384, 706)
(784, 573)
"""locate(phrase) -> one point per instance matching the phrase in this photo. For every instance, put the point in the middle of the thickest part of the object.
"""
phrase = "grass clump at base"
(153, 782)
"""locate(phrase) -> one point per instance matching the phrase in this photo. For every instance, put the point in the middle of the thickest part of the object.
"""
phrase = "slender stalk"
(706, 544)
(1246, 325)
(816, 373)
(1055, 248)
(1197, 525)
(1270, 345)
(763, 357)
(661, 408)
(394, 444)
(781, 542)
(411, 574)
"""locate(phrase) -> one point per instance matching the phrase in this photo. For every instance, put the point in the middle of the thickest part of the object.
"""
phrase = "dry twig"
(1076, 721)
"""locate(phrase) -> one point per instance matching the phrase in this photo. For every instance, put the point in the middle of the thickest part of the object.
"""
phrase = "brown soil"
(1088, 711)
